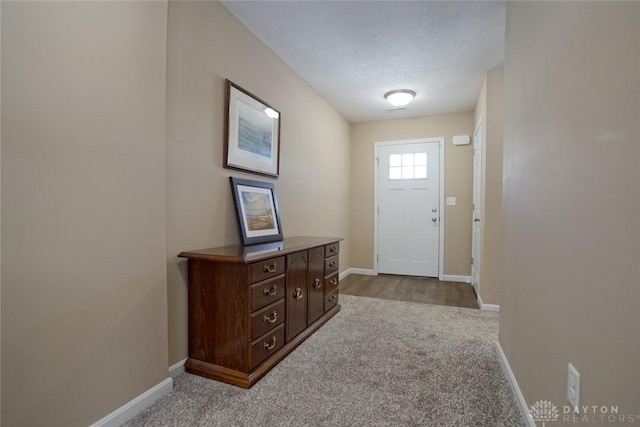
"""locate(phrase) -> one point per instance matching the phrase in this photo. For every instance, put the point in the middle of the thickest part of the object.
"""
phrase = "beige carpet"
(377, 363)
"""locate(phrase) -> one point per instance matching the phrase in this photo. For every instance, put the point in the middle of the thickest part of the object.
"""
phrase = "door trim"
(476, 258)
(377, 145)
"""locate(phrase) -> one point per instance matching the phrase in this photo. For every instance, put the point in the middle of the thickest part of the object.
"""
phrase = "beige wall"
(0, 217)
(206, 45)
(490, 110)
(83, 208)
(457, 182)
(571, 200)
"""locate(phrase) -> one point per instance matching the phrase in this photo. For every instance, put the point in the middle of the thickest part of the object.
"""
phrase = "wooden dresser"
(250, 306)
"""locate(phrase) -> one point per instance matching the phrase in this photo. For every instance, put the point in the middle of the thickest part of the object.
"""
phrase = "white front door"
(408, 208)
(477, 205)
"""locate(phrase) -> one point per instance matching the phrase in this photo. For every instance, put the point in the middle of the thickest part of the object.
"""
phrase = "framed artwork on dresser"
(252, 133)
(257, 209)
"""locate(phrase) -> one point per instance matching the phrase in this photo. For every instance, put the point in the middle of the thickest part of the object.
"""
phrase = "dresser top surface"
(260, 251)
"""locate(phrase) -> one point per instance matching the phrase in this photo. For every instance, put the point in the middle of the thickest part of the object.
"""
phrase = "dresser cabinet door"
(315, 284)
(296, 300)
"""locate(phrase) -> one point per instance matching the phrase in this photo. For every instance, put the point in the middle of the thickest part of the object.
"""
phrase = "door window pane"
(408, 166)
(420, 172)
(395, 172)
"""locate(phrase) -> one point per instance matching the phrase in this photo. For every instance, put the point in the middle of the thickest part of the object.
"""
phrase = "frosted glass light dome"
(400, 97)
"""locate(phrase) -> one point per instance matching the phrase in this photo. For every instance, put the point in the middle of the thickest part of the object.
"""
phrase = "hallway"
(425, 290)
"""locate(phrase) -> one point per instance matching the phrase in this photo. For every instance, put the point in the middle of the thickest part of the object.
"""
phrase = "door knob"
(434, 219)
(434, 210)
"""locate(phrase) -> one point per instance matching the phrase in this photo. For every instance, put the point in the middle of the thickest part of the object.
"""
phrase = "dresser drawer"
(331, 283)
(330, 300)
(266, 292)
(332, 249)
(331, 264)
(267, 318)
(265, 269)
(265, 346)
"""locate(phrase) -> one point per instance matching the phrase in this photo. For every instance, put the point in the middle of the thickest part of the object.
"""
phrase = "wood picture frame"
(252, 133)
(257, 210)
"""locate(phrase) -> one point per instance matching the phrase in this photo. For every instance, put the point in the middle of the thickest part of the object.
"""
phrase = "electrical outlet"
(573, 386)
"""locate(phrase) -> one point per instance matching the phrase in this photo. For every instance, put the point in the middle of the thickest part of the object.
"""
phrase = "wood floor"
(424, 290)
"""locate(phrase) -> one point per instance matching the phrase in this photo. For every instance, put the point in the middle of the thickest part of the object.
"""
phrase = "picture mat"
(258, 211)
(246, 120)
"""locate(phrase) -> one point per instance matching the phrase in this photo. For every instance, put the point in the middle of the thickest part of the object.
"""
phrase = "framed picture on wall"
(252, 133)
(257, 209)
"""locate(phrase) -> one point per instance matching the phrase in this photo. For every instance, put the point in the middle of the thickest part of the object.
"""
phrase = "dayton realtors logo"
(545, 411)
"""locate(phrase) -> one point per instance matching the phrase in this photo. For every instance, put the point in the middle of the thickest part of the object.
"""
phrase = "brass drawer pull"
(316, 284)
(270, 268)
(333, 264)
(297, 294)
(270, 345)
(333, 298)
(333, 249)
(334, 281)
(271, 291)
(272, 318)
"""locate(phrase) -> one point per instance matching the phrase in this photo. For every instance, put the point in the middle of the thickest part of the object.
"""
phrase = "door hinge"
(471, 260)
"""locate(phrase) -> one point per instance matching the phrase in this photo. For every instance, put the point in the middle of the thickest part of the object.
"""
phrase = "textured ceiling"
(352, 52)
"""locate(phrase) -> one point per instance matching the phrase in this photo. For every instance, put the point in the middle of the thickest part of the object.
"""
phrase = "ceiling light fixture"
(399, 97)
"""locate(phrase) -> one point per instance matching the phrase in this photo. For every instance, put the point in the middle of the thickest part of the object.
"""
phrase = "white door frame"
(376, 163)
(476, 258)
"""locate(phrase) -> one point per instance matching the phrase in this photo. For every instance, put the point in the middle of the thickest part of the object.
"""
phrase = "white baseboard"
(177, 369)
(362, 271)
(522, 404)
(490, 307)
(454, 278)
(487, 307)
(135, 406)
